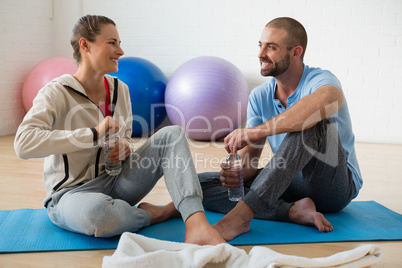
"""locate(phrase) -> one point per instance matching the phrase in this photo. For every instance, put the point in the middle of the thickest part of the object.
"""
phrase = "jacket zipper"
(66, 166)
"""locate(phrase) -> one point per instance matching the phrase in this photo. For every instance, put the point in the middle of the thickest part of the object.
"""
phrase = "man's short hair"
(296, 32)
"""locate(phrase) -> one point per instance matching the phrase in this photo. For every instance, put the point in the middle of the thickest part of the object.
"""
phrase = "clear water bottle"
(111, 140)
(235, 163)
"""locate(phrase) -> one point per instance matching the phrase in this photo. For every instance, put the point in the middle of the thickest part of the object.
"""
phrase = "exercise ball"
(208, 97)
(147, 84)
(42, 73)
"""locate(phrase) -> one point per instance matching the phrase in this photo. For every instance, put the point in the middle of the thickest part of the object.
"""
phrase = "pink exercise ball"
(208, 97)
(43, 73)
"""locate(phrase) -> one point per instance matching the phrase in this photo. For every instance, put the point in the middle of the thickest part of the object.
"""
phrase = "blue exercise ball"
(147, 84)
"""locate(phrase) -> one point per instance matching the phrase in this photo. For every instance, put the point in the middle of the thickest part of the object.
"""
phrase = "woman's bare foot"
(236, 222)
(200, 232)
(304, 212)
(160, 213)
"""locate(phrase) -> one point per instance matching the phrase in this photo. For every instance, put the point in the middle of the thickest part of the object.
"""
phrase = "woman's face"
(104, 53)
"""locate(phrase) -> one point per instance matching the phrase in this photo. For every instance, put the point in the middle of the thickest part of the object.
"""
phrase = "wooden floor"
(21, 186)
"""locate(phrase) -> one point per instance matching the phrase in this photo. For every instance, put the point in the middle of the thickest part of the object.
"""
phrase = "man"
(303, 114)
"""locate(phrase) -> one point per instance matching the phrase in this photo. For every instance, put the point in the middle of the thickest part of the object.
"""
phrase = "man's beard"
(278, 68)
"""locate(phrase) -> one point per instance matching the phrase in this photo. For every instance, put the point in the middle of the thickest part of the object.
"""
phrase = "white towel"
(135, 250)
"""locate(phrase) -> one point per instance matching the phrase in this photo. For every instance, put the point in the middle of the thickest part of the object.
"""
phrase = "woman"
(69, 118)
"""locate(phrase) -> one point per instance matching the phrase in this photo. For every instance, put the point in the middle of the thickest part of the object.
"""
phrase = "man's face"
(274, 54)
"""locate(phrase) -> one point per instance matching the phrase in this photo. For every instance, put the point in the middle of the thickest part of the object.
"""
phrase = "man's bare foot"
(200, 232)
(304, 212)
(236, 222)
(160, 213)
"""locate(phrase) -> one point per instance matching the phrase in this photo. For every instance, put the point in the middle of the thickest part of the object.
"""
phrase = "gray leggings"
(311, 163)
(104, 206)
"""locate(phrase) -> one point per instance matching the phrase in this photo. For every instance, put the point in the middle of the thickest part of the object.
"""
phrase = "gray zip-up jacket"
(60, 126)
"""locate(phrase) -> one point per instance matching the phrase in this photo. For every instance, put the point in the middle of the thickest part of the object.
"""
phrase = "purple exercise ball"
(208, 97)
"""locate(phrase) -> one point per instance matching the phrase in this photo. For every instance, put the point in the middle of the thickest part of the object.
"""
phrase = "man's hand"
(242, 137)
(229, 179)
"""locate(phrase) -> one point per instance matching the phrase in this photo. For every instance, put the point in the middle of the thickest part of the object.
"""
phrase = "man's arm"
(307, 112)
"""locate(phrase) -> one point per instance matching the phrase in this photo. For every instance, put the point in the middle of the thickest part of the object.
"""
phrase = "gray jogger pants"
(104, 206)
(312, 163)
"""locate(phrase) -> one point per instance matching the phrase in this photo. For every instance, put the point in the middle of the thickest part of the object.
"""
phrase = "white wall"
(360, 41)
(26, 39)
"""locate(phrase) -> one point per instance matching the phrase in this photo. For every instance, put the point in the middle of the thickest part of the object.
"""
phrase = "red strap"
(108, 111)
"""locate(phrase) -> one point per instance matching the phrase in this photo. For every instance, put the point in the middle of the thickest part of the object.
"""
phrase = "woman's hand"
(120, 152)
(107, 125)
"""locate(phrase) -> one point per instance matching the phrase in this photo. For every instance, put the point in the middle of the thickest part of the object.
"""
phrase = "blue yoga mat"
(30, 230)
